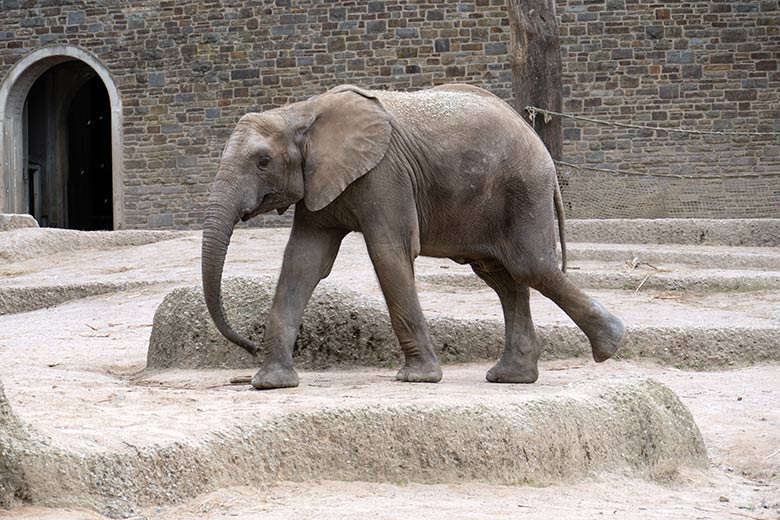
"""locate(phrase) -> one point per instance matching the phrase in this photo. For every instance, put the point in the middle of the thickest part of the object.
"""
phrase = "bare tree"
(535, 51)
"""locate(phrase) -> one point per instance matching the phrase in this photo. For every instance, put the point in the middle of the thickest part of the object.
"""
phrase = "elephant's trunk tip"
(252, 348)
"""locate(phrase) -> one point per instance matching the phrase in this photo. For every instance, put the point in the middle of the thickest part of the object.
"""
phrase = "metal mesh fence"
(593, 194)
(612, 189)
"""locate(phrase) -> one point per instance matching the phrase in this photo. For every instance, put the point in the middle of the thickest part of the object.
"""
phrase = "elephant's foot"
(275, 376)
(513, 371)
(608, 339)
(420, 370)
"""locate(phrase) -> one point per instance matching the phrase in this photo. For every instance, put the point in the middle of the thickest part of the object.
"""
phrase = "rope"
(548, 114)
(668, 175)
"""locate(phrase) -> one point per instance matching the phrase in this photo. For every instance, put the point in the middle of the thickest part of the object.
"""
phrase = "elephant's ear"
(348, 135)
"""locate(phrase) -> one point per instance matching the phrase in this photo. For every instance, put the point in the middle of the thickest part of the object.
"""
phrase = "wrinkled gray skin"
(451, 172)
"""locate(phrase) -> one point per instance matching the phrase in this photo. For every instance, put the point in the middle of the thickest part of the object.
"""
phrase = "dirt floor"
(75, 372)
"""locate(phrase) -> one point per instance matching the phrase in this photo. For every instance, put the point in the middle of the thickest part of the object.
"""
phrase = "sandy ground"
(697, 498)
(75, 372)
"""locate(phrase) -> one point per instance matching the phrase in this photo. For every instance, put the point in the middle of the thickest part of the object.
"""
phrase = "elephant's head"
(308, 151)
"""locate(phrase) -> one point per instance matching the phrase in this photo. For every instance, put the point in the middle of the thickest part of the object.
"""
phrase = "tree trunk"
(535, 51)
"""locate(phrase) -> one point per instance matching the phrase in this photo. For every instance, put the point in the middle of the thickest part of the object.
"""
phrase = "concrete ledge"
(343, 328)
(25, 299)
(638, 427)
(730, 281)
(761, 232)
(12, 221)
(22, 244)
(712, 258)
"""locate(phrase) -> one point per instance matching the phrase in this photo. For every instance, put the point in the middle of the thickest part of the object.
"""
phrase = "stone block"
(336, 44)
(442, 45)
(32, 21)
(160, 220)
(285, 63)
(12, 221)
(376, 26)
(77, 18)
(454, 71)
(293, 19)
(283, 30)
(495, 49)
(669, 91)
(240, 74)
(337, 13)
(733, 35)
(376, 7)
(407, 52)
(170, 129)
(654, 32)
(156, 79)
(622, 54)
(692, 71)
(434, 15)
(741, 95)
(572, 134)
(680, 56)
(407, 33)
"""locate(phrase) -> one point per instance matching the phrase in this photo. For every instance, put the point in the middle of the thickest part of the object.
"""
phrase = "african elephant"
(450, 172)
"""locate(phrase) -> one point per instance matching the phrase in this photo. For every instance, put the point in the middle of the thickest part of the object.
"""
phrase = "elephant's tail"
(561, 219)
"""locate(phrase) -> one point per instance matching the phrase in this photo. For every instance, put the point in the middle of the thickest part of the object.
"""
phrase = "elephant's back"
(440, 104)
(456, 122)
(446, 113)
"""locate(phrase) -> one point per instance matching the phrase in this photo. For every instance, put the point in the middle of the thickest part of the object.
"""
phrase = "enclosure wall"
(186, 72)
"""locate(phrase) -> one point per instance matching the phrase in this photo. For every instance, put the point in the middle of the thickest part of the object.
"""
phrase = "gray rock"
(340, 328)
(12, 484)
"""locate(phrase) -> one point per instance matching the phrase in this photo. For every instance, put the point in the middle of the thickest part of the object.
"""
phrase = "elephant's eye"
(263, 162)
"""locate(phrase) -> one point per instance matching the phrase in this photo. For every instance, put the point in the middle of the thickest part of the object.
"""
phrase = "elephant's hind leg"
(519, 361)
(605, 331)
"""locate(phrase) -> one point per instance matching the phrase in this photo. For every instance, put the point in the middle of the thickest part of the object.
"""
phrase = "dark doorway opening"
(68, 149)
(89, 159)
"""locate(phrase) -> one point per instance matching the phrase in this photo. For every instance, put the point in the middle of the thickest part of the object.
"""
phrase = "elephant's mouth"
(266, 204)
(252, 214)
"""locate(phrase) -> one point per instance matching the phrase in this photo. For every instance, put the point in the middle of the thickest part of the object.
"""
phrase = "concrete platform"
(21, 244)
(453, 432)
(100, 423)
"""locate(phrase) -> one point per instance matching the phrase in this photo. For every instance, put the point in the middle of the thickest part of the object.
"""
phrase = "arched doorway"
(60, 141)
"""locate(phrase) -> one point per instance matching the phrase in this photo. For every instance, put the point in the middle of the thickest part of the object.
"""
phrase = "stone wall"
(188, 70)
(704, 65)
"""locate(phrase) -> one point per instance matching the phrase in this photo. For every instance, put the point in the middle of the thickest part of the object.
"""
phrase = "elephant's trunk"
(221, 217)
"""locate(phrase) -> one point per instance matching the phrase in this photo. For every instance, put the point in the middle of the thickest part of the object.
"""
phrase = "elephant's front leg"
(308, 258)
(394, 265)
